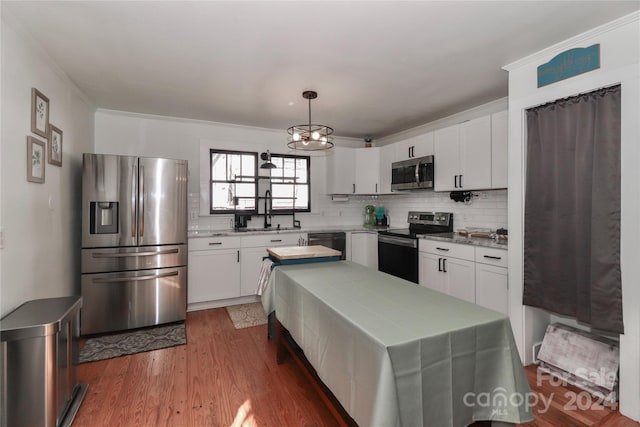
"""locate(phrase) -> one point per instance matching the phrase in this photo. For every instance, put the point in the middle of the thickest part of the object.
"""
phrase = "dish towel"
(265, 272)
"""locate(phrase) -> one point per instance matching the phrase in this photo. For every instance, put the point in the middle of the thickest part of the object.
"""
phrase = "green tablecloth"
(398, 354)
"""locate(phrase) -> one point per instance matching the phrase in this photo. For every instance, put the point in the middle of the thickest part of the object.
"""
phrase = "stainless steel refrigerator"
(134, 242)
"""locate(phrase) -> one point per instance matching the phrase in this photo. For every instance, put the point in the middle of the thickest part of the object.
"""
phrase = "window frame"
(213, 151)
(295, 184)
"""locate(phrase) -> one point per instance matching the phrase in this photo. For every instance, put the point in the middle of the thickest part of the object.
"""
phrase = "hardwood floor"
(229, 377)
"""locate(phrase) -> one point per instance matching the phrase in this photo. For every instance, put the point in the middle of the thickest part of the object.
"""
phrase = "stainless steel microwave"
(412, 174)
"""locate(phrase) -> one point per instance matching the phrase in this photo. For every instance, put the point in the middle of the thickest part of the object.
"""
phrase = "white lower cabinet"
(254, 249)
(446, 274)
(474, 274)
(214, 269)
(492, 279)
(364, 248)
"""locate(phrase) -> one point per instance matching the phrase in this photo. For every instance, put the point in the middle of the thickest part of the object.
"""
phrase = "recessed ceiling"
(378, 67)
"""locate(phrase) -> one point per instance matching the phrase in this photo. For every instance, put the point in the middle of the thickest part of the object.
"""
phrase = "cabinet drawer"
(275, 239)
(209, 243)
(452, 250)
(497, 257)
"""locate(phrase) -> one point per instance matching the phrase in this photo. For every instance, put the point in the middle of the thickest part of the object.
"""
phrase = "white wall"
(41, 255)
(620, 63)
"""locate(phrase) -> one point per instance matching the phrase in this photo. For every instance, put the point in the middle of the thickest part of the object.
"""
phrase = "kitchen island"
(397, 354)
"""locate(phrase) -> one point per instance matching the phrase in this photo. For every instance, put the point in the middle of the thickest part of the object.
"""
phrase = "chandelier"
(310, 137)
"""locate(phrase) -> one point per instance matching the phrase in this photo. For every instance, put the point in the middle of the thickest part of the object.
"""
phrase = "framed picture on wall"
(35, 160)
(39, 113)
(55, 146)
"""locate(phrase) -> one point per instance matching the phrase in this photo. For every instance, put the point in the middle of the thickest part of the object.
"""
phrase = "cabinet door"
(475, 154)
(430, 276)
(404, 149)
(499, 149)
(367, 170)
(341, 171)
(461, 279)
(251, 260)
(446, 158)
(492, 287)
(364, 249)
(213, 275)
(387, 157)
(423, 145)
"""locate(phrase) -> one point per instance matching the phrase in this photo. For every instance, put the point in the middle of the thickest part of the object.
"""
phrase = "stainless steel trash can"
(40, 357)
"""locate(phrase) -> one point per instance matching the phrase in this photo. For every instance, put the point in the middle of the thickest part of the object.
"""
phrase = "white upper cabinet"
(367, 170)
(387, 157)
(463, 156)
(446, 162)
(341, 174)
(499, 149)
(475, 154)
(354, 171)
(417, 146)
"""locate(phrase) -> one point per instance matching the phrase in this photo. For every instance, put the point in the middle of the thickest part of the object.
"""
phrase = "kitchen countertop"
(475, 241)
(443, 237)
(282, 230)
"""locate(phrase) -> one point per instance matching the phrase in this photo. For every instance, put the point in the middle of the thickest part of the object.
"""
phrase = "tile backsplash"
(487, 209)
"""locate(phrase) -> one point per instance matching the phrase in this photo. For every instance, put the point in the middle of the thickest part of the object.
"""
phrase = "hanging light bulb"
(310, 136)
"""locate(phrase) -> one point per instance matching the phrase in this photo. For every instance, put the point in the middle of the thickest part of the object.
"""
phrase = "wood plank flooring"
(229, 377)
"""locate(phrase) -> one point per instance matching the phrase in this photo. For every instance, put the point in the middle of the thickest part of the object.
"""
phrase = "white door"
(499, 149)
(475, 154)
(492, 285)
(341, 171)
(430, 276)
(423, 145)
(367, 161)
(364, 249)
(461, 279)
(446, 158)
(213, 275)
(387, 157)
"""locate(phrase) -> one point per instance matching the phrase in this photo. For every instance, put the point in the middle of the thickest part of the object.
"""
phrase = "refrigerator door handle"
(141, 204)
(133, 254)
(136, 278)
(133, 201)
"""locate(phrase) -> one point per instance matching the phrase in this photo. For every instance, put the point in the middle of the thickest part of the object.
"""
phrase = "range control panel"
(430, 218)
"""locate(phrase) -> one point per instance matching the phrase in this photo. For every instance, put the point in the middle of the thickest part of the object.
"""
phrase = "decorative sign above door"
(568, 64)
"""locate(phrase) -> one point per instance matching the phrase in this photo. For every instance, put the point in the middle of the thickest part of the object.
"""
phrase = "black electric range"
(398, 248)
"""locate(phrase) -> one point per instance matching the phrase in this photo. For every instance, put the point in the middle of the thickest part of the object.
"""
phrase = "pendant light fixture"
(310, 137)
(267, 158)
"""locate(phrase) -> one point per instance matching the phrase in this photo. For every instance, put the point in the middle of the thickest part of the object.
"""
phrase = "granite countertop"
(475, 241)
(282, 230)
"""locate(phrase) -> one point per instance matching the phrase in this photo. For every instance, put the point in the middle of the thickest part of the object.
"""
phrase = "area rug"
(121, 344)
(247, 315)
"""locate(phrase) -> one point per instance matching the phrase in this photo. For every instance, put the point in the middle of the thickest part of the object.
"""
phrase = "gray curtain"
(572, 209)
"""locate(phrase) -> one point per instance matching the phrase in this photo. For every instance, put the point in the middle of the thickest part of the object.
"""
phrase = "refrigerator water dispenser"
(104, 217)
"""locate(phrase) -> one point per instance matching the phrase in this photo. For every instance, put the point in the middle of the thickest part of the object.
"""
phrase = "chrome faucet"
(268, 207)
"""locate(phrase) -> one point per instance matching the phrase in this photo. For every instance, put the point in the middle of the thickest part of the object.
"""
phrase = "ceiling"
(378, 67)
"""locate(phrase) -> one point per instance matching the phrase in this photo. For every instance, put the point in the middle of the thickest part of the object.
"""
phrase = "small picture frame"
(55, 145)
(36, 153)
(39, 113)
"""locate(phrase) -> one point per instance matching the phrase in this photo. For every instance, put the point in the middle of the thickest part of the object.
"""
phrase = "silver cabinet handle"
(442, 249)
(136, 278)
(141, 198)
(214, 243)
(493, 257)
(133, 201)
(133, 254)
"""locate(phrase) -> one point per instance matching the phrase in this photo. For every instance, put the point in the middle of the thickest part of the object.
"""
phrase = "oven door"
(398, 256)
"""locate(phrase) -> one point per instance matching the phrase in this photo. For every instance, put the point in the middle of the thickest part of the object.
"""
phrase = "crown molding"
(573, 41)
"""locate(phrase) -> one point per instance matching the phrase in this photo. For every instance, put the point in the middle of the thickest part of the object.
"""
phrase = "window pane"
(282, 190)
(218, 167)
(301, 171)
(246, 196)
(221, 196)
(234, 166)
(302, 197)
(248, 166)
